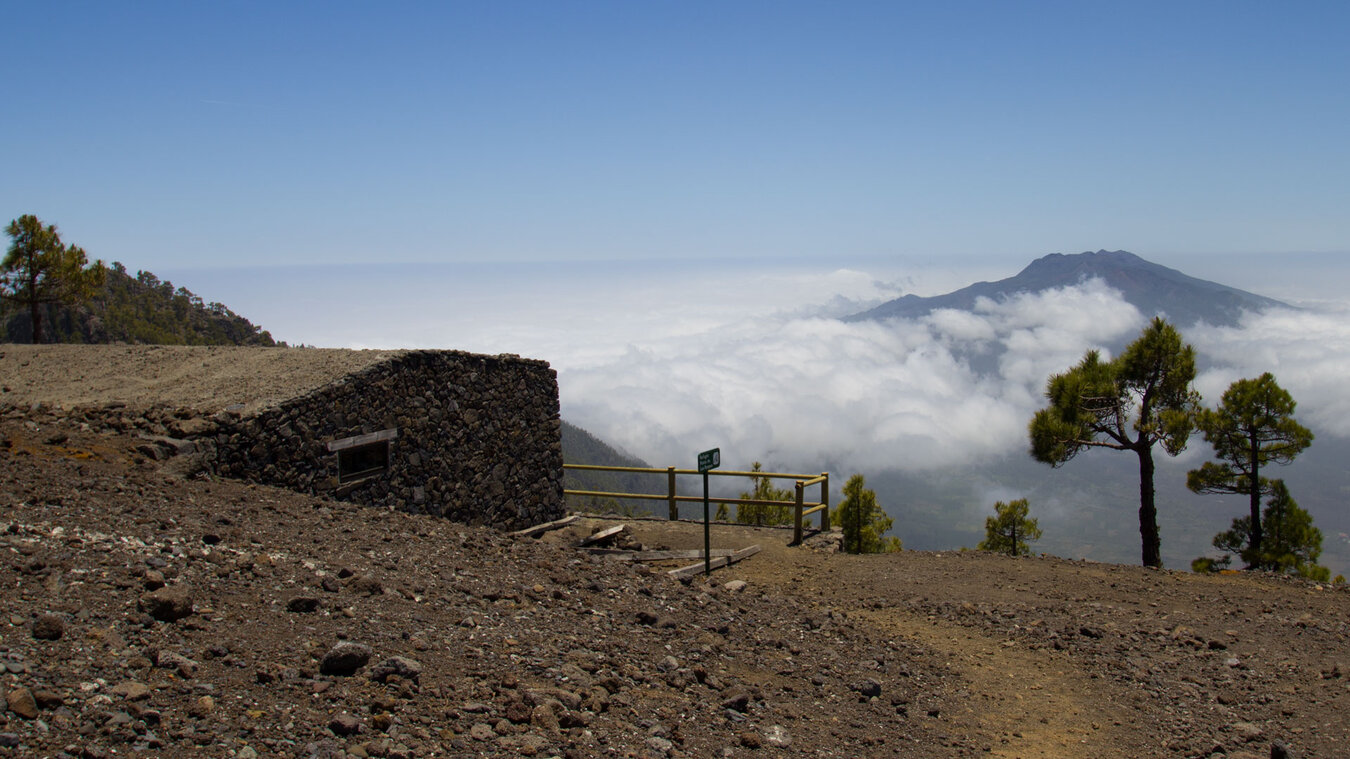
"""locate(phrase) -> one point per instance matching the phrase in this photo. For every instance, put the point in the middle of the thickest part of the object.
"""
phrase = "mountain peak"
(1152, 288)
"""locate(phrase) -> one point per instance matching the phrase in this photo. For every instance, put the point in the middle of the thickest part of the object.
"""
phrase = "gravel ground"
(150, 614)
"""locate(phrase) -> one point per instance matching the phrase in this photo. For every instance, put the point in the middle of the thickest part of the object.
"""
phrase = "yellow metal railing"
(801, 507)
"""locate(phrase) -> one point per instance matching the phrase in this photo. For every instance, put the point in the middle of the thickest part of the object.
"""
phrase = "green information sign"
(709, 460)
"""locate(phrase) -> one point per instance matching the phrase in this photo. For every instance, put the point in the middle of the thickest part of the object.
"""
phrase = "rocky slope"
(148, 613)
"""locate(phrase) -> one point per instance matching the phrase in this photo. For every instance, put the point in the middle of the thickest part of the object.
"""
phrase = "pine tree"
(863, 521)
(40, 270)
(1009, 530)
(1252, 428)
(1291, 545)
(1132, 403)
(763, 514)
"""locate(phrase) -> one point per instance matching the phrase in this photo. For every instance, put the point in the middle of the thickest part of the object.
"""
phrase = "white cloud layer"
(1307, 351)
(668, 361)
(799, 390)
(954, 388)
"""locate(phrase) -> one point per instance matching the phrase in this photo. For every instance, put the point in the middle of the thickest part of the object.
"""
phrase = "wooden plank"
(622, 555)
(540, 529)
(608, 532)
(717, 563)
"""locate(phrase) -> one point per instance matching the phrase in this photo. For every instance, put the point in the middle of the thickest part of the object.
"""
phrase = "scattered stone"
(47, 700)
(1247, 731)
(736, 698)
(570, 719)
(22, 703)
(344, 725)
(382, 721)
(302, 604)
(184, 666)
(735, 585)
(544, 717)
(401, 666)
(481, 732)
(750, 739)
(131, 690)
(868, 688)
(563, 698)
(153, 579)
(168, 604)
(777, 736)
(202, 707)
(49, 627)
(344, 659)
(518, 712)
(366, 585)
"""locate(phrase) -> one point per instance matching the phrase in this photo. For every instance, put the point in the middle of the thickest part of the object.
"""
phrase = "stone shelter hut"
(474, 438)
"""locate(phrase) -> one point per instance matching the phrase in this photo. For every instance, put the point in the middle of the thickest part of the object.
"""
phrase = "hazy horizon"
(664, 360)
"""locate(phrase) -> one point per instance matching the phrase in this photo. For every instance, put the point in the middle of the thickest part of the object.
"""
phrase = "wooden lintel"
(355, 440)
(717, 563)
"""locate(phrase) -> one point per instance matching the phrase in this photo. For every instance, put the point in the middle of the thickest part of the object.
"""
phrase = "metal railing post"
(670, 490)
(825, 501)
(797, 521)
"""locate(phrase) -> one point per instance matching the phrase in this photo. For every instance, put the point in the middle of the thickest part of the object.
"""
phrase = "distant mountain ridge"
(1152, 288)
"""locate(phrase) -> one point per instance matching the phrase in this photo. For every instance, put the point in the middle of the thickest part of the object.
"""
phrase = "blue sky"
(183, 135)
(670, 201)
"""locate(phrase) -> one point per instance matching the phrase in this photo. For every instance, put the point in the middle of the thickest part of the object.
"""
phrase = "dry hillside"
(146, 613)
(205, 379)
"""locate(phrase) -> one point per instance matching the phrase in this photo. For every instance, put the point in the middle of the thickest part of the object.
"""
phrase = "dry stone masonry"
(473, 438)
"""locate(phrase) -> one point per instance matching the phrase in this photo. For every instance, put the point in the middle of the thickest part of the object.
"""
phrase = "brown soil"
(205, 378)
(476, 643)
(1053, 658)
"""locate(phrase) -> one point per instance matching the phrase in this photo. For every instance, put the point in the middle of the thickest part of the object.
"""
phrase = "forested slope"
(581, 447)
(138, 309)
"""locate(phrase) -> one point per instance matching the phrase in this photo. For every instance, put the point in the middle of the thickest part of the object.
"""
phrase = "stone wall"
(477, 438)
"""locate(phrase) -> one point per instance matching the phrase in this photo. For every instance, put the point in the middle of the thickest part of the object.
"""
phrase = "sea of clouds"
(667, 360)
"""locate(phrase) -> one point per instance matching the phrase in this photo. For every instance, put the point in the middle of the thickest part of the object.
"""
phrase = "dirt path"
(1017, 701)
(1065, 659)
(1023, 702)
(1026, 703)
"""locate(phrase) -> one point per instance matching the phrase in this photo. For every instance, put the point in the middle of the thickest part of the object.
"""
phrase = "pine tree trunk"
(1255, 536)
(1148, 511)
(35, 315)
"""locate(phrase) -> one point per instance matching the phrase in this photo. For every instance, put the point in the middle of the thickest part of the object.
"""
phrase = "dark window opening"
(362, 461)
